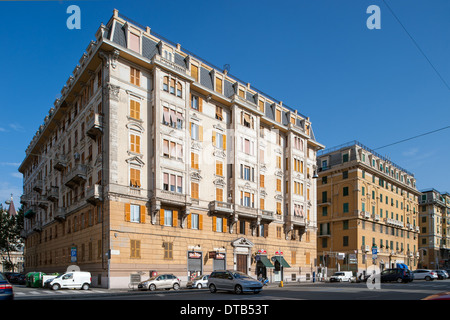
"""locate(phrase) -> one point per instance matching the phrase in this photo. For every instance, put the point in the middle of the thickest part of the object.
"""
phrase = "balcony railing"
(60, 214)
(95, 126)
(94, 194)
(76, 176)
(53, 194)
(60, 163)
(221, 207)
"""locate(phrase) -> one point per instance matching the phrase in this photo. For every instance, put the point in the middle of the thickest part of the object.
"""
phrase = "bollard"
(281, 283)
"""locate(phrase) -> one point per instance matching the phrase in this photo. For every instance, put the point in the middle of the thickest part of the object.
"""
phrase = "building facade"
(155, 160)
(434, 239)
(367, 211)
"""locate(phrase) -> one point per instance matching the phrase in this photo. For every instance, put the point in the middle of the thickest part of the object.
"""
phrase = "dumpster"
(34, 279)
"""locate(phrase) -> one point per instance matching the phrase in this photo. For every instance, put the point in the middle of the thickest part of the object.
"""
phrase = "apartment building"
(367, 211)
(434, 239)
(154, 159)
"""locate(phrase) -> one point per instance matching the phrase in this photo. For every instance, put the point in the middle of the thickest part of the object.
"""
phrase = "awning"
(29, 214)
(265, 261)
(281, 260)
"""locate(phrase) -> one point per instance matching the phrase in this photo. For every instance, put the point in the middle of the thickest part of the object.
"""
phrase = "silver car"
(163, 281)
(235, 281)
(198, 282)
(424, 274)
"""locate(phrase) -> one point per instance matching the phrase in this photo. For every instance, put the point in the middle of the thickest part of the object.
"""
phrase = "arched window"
(166, 83)
(179, 89)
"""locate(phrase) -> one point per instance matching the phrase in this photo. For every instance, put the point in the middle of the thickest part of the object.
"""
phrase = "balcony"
(221, 207)
(37, 226)
(394, 222)
(31, 212)
(324, 202)
(267, 215)
(94, 126)
(297, 220)
(38, 185)
(60, 163)
(244, 211)
(60, 214)
(53, 194)
(42, 202)
(94, 194)
(76, 176)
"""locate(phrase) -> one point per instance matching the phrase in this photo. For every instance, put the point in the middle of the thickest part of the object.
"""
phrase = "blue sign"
(73, 254)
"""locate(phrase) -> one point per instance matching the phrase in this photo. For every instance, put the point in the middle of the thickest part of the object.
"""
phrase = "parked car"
(198, 282)
(438, 296)
(442, 274)
(12, 276)
(70, 280)
(163, 281)
(342, 276)
(230, 280)
(424, 274)
(396, 274)
(6, 289)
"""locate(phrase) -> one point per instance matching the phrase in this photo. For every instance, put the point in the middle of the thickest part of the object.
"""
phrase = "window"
(168, 250)
(219, 113)
(219, 140)
(135, 213)
(135, 178)
(345, 191)
(135, 249)
(279, 208)
(278, 115)
(345, 207)
(179, 89)
(196, 132)
(194, 160)
(261, 180)
(172, 150)
(168, 217)
(134, 42)
(135, 143)
(196, 103)
(218, 85)
(194, 190)
(172, 182)
(279, 185)
(219, 224)
(135, 76)
(219, 168)
(219, 194)
(135, 110)
(194, 221)
(247, 120)
(194, 72)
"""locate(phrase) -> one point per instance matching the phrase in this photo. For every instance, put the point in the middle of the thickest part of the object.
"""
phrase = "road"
(307, 291)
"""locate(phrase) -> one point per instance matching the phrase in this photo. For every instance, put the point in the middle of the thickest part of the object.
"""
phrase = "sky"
(317, 56)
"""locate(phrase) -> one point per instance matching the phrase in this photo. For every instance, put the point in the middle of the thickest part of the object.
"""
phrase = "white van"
(341, 276)
(72, 280)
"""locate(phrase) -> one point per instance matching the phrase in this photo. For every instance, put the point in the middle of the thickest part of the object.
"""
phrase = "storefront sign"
(194, 255)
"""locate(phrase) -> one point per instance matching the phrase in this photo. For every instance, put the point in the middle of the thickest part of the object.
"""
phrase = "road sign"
(73, 254)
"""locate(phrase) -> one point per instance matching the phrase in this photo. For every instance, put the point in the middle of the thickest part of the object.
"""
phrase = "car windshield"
(240, 275)
(198, 277)
(339, 274)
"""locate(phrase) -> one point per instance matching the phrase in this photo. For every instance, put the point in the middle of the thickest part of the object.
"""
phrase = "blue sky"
(317, 56)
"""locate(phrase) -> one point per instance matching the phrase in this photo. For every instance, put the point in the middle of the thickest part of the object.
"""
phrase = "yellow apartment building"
(367, 211)
(154, 159)
(434, 239)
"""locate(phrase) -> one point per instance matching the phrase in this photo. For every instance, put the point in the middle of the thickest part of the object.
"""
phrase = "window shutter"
(175, 218)
(161, 217)
(266, 230)
(214, 138)
(214, 224)
(200, 133)
(224, 225)
(189, 221)
(142, 214)
(200, 222)
(200, 104)
(224, 137)
(127, 212)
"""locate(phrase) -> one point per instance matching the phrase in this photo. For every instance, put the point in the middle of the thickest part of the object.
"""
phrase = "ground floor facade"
(120, 241)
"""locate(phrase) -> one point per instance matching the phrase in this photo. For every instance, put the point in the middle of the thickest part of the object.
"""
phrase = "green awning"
(30, 213)
(265, 261)
(282, 261)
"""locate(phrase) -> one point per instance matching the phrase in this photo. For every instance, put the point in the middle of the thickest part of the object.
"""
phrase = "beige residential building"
(434, 239)
(155, 160)
(365, 202)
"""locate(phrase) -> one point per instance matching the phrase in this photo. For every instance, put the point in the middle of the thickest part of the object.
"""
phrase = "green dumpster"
(36, 279)
(28, 278)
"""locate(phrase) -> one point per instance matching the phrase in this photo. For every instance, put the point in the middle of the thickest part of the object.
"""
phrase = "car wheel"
(55, 287)
(199, 286)
(85, 286)
(152, 287)
(238, 289)
(399, 280)
(176, 286)
(428, 278)
(212, 288)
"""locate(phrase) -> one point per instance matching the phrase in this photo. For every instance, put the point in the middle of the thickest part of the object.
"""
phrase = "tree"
(10, 239)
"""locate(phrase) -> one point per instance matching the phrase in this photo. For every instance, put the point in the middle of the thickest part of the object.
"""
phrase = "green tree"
(10, 239)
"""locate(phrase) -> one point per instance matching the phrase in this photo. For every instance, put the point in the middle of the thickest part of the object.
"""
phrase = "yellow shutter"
(200, 133)
(224, 137)
(189, 221)
(127, 212)
(175, 218)
(200, 222)
(138, 144)
(161, 217)
(214, 138)
(200, 104)
(214, 223)
(142, 214)
(224, 223)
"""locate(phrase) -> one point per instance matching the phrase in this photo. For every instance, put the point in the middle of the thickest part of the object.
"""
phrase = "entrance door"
(241, 260)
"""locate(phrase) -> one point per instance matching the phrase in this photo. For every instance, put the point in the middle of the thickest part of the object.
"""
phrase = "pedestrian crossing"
(48, 292)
